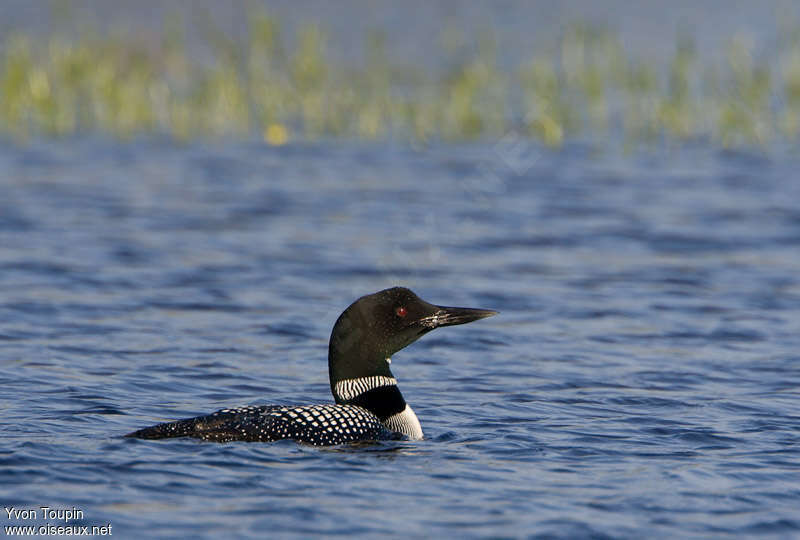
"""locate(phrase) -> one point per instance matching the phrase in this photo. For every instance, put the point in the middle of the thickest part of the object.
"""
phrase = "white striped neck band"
(347, 389)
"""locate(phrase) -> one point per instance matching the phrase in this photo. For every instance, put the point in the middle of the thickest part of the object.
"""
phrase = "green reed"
(268, 85)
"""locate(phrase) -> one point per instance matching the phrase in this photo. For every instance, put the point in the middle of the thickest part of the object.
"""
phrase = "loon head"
(376, 326)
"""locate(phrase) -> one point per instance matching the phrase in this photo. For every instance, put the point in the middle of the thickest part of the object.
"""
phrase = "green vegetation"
(266, 85)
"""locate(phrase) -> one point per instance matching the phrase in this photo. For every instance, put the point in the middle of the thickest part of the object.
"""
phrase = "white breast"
(406, 422)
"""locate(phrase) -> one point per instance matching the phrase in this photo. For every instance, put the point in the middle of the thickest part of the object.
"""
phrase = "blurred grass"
(266, 85)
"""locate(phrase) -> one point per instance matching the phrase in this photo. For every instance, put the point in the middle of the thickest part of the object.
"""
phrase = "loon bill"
(369, 406)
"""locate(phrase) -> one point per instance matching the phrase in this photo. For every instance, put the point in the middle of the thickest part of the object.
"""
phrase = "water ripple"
(640, 380)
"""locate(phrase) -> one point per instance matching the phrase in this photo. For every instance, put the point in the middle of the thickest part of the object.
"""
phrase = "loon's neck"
(380, 395)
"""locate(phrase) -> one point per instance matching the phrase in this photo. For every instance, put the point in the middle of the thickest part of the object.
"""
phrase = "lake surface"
(641, 380)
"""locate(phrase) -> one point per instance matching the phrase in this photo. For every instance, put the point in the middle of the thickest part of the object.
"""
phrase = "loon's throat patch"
(383, 401)
(347, 389)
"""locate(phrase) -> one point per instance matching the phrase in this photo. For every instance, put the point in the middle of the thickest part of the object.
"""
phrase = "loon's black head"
(378, 325)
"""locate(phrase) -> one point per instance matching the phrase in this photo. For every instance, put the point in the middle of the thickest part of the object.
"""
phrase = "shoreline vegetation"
(582, 85)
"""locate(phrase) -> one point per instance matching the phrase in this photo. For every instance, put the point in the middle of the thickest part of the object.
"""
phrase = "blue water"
(642, 379)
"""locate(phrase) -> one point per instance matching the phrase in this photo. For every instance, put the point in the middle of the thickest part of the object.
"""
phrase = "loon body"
(369, 405)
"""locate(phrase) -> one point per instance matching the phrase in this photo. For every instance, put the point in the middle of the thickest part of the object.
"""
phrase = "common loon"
(369, 406)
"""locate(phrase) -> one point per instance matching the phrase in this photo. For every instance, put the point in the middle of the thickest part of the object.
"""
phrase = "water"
(641, 380)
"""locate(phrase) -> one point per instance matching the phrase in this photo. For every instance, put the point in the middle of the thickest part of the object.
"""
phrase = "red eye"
(401, 311)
